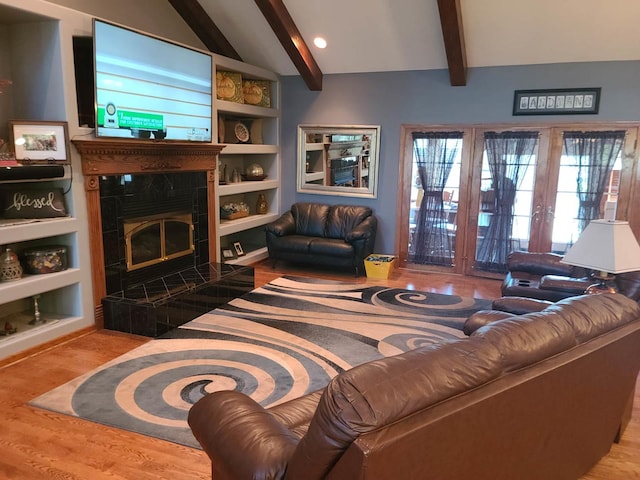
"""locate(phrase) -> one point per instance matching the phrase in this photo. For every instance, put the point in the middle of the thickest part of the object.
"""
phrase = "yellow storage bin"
(379, 266)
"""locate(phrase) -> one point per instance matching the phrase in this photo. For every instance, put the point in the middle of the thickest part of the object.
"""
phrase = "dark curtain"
(595, 154)
(509, 154)
(434, 154)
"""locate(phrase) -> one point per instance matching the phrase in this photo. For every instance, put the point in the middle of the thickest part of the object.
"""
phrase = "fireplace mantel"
(122, 156)
(114, 157)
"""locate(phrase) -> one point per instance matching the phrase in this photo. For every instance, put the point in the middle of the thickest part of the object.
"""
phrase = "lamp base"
(605, 285)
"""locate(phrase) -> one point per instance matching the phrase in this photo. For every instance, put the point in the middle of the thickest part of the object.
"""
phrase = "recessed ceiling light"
(320, 42)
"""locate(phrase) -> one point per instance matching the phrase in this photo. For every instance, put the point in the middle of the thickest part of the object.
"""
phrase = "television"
(147, 87)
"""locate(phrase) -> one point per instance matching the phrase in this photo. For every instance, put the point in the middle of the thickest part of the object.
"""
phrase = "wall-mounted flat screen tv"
(150, 88)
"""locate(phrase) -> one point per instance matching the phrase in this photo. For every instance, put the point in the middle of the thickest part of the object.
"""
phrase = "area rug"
(276, 343)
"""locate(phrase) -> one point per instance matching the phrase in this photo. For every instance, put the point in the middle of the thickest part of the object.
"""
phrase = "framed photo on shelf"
(39, 142)
(228, 254)
(238, 248)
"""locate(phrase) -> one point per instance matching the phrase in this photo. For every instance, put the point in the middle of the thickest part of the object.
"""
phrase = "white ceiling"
(388, 35)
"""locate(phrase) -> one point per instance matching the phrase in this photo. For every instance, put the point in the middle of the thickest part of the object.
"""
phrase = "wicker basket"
(234, 215)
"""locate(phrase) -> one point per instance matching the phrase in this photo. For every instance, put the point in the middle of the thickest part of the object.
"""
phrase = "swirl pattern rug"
(276, 343)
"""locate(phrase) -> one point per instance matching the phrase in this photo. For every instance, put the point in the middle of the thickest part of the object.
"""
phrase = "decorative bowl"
(49, 259)
(253, 178)
(254, 170)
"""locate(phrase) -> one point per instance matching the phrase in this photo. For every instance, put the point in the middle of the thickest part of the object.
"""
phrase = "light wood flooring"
(37, 444)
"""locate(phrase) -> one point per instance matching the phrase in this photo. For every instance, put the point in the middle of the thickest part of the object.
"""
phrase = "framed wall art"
(39, 142)
(557, 101)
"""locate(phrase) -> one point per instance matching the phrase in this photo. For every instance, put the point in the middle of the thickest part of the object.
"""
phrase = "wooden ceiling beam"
(451, 21)
(287, 32)
(199, 21)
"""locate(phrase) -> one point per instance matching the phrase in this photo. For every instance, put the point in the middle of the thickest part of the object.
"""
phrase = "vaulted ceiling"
(389, 35)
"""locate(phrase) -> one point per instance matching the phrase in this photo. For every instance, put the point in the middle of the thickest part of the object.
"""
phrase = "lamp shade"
(606, 245)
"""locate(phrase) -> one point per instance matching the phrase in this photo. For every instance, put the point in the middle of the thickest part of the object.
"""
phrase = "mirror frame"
(374, 159)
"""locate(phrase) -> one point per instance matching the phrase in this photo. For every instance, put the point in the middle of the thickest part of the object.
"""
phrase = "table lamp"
(608, 247)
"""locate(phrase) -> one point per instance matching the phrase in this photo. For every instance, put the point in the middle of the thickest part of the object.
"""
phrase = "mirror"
(338, 159)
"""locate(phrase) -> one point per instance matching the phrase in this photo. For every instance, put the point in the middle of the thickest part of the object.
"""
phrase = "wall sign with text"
(558, 101)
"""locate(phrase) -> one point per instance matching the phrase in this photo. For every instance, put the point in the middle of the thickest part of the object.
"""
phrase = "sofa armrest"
(285, 225)
(519, 305)
(482, 318)
(365, 230)
(561, 283)
(538, 263)
(241, 438)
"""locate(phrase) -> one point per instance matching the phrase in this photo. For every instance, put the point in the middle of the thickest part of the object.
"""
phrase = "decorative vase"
(10, 268)
(222, 174)
(262, 206)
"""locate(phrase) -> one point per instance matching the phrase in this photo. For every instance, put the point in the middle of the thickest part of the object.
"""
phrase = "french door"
(588, 175)
(470, 196)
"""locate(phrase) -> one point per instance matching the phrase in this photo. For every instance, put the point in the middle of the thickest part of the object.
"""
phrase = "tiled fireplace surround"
(185, 167)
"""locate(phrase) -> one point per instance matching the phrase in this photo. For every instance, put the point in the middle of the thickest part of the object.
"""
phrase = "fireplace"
(152, 225)
(122, 178)
(157, 238)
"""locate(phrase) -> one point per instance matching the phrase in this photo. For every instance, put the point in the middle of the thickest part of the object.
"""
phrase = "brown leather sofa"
(315, 233)
(542, 276)
(537, 396)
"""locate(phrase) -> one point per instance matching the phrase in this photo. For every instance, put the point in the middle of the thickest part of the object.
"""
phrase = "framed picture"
(228, 254)
(39, 142)
(238, 249)
(557, 101)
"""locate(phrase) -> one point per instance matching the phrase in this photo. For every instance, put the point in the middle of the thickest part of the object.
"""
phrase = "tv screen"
(147, 87)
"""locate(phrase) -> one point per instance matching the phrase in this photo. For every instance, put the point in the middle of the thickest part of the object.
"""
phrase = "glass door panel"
(507, 181)
(434, 199)
(588, 184)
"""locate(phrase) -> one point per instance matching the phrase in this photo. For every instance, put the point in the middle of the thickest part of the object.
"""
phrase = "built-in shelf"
(249, 231)
(229, 227)
(244, 187)
(250, 257)
(242, 109)
(30, 285)
(21, 231)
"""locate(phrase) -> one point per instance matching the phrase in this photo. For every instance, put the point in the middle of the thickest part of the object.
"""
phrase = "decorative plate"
(241, 132)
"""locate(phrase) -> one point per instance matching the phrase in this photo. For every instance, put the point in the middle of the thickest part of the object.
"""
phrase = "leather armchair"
(314, 233)
(542, 276)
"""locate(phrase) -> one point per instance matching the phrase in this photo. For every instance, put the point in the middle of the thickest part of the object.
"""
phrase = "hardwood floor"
(38, 444)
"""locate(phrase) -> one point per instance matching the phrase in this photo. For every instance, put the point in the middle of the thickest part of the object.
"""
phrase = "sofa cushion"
(310, 218)
(294, 244)
(594, 315)
(335, 247)
(296, 414)
(342, 219)
(527, 339)
(384, 391)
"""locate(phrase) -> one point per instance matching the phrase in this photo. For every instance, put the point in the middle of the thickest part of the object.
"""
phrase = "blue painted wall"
(390, 99)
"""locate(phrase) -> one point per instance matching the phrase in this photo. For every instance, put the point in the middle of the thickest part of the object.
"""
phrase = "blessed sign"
(33, 203)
